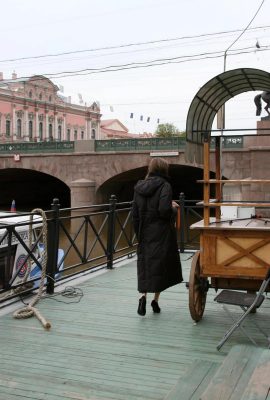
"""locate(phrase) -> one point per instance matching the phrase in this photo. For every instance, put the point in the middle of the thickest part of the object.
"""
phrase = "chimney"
(14, 75)
(1, 76)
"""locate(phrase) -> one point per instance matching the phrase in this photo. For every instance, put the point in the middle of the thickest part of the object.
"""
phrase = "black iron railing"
(78, 240)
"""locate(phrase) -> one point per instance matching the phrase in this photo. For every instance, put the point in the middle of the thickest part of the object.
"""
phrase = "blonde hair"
(158, 166)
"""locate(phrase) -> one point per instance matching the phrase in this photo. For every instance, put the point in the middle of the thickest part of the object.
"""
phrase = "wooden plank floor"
(100, 348)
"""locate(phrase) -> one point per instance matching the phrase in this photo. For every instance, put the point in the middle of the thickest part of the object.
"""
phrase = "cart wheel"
(197, 289)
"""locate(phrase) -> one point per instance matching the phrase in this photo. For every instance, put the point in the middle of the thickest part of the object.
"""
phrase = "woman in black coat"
(153, 212)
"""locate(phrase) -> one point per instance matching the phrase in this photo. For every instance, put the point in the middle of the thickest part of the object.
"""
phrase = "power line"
(136, 65)
(128, 45)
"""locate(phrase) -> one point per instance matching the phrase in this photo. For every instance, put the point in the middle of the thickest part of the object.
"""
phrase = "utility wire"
(128, 45)
(241, 34)
(136, 65)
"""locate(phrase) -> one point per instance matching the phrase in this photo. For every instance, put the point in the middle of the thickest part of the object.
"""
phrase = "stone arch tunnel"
(183, 179)
(31, 189)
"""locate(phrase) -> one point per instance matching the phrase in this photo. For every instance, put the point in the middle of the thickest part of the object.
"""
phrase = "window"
(68, 134)
(40, 131)
(82, 135)
(19, 127)
(50, 132)
(59, 132)
(40, 96)
(30, 130)
(93, 134)
(8, 128)
(30, 94)
(50, 99)
(75, 135)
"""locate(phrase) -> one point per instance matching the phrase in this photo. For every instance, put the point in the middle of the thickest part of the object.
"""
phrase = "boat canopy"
(211, 97)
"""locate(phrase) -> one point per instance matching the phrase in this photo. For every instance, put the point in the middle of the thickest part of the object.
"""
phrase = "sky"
(146, 57)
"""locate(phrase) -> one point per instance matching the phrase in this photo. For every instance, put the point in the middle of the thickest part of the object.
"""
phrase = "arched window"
(40, 96)
(19, 127)
(59, 132)
(50, 132)
(30, 94)
(75, 135)
(68, 134)
(30, 130)
(8, 128)
(93, 134)
(82, 135)
(40, 131)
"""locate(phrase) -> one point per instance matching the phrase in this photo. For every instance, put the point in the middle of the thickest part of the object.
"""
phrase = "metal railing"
(36, 147)
(151, 144)
(78, 240)
(114, 145)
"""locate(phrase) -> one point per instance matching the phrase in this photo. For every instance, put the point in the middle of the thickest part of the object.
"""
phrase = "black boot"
(155, 306)
(142, 306)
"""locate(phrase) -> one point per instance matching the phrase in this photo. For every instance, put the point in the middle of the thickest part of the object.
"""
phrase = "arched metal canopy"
(214, 95)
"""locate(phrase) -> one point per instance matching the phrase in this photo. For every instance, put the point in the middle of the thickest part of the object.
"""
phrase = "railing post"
(53, 243)
(182, 222)
(111, 231)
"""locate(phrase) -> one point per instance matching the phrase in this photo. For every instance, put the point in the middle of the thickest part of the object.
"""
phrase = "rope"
(30, 310)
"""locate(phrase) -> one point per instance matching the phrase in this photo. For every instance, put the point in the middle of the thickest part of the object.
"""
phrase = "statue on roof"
(265, 96)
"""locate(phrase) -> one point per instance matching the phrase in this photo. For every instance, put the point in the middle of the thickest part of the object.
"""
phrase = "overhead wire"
(143, 64)
(128, 45)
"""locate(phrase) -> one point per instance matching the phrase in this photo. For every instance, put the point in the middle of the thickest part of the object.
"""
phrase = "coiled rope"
(30, 310)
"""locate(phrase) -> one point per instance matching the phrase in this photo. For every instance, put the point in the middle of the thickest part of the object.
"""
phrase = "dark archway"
(211, 97)
(31, 189)
(183, 179)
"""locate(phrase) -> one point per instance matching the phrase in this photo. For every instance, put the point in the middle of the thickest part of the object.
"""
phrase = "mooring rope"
(30, 310)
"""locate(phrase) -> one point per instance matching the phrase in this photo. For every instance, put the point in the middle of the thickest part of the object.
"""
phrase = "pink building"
(31, 109)
(114, 129)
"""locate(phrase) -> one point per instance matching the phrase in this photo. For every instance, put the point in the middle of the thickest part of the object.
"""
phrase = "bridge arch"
(30, 189)
(212, 96)
(122, 184)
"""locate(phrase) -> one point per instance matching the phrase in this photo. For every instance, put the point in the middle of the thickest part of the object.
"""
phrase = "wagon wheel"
(198, 287)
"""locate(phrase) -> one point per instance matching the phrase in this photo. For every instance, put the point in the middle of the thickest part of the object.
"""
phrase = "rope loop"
(30, 310)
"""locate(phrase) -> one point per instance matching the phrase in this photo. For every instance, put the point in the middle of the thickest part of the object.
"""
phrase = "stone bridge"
(85, 176)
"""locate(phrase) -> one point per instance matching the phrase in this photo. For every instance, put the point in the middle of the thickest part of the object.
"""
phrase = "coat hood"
(149, 186)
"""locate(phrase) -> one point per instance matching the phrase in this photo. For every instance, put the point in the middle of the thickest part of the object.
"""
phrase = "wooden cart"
(233, 254)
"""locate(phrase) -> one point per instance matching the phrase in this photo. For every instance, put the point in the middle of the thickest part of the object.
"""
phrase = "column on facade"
(98, 130)
(25, 131)
(14, 125)
(46, 125)
(55, 130)
(64, 133)
(88, 128)
(36, 131)
(1, 130)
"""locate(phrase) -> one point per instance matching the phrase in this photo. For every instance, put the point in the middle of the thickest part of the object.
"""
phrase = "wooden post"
(218, 176)
(206, 185)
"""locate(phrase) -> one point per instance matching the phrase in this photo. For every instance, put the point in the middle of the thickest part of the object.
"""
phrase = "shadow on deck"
(100, 348)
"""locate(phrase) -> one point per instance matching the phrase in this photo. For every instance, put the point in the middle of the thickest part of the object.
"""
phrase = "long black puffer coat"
(158, 262)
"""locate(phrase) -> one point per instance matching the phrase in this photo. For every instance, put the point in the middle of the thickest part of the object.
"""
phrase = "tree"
(168, 130)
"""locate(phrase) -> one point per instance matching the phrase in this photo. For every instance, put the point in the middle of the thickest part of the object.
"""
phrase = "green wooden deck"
(100, 348)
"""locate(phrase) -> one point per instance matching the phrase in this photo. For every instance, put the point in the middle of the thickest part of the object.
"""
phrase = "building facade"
(114, 129)
(31, 109)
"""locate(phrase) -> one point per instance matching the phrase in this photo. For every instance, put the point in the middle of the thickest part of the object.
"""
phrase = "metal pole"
(53, 243)
(111, 231)
(182, 222)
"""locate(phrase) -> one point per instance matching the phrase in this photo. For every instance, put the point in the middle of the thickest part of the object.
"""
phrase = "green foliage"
(168, 130)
